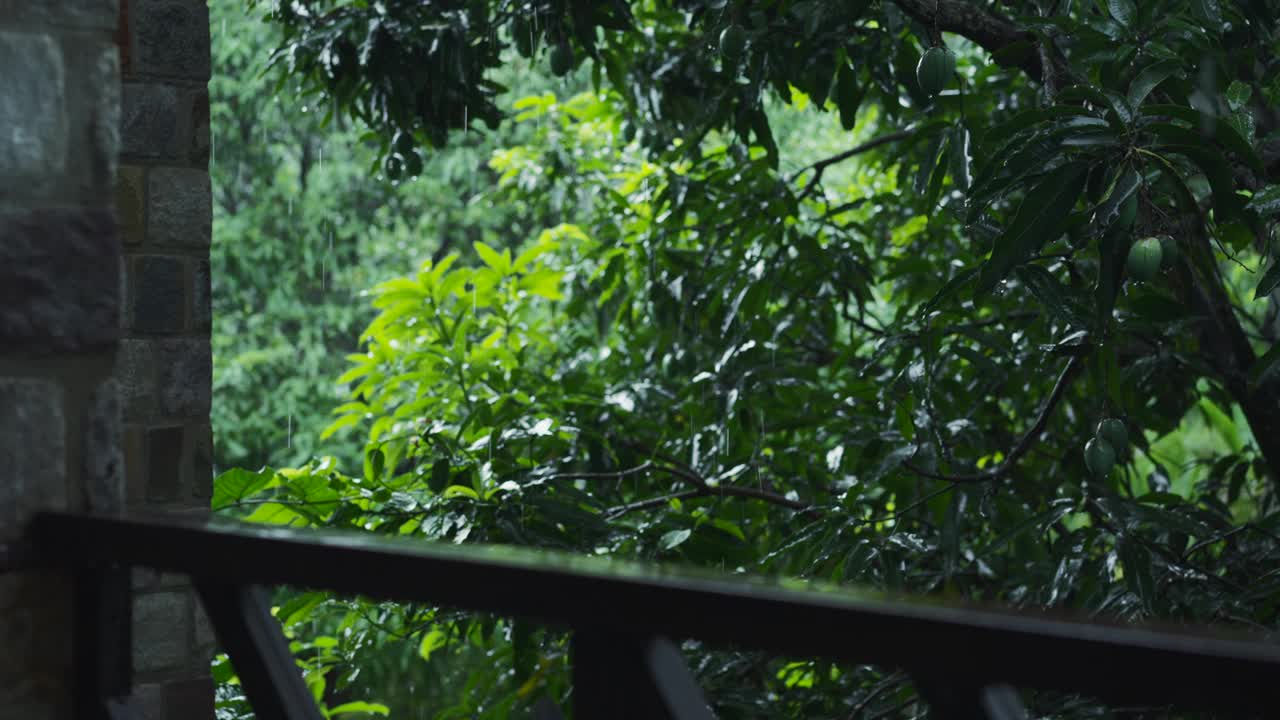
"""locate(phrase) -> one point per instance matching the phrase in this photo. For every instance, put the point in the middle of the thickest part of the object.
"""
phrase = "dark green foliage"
(802, 314)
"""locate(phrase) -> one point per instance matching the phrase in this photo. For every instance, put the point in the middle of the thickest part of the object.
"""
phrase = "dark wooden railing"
(623, 617)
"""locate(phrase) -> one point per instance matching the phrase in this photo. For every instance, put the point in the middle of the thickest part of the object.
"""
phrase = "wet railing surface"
(625, 618)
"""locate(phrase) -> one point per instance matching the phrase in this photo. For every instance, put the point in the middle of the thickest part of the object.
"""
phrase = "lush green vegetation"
(734, 288)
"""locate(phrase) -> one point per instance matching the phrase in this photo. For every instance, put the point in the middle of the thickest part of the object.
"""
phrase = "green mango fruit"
(1144, 259)
(935, 69)
(1113, 431)
(561, 60)
(1099, 457)
(733, 42)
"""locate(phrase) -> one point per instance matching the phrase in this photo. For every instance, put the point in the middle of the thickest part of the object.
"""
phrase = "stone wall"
(104, 319)
(59, 307)
(163, 366)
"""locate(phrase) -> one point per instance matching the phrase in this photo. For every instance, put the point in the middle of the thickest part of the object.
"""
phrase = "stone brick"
(99, 89)
(186, 376)
(58, 280)
(201, 297)
(164, 463)
(122, 292)
(32, 449)
(33, 145)
(180, 207)
(131, 203)
(145, 703)
(161, 628)
(197, 461)
(195, 126)
(135, 464)
(103, 475)
(137, 376)
(171, 37)
(149, 120)
(192, 698)
(34, 632)
(205, 639)
(79, 13)
(147, 579)
(158, 294)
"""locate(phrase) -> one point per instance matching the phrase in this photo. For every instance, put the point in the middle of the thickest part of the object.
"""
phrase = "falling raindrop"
(289, 432)
(290, 206)
(465, 119)
(320, 159)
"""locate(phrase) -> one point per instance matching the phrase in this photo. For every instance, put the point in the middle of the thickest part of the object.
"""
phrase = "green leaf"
(1266, 202)
(277, 514)
(1238, 95)
(1123, 188)
(235, 485)
(848, 96)
(500, 262)
(1269, 282)
(439, 475)
(673, 539)
(1136, 562)
(431, 641)
(360, 706)
(454, 491)
(1040, 219)
(375, 462)
(1265, 367)
(1124, 11)
(1147, 80)
(1113, 250)
(960, 157)
(1053, 295)
(1227, 205)
(1205, 127)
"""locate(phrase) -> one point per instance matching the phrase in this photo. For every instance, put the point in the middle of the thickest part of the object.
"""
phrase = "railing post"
(103, 639)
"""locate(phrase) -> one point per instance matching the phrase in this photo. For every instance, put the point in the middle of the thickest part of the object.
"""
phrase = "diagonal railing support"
(951, 699)
(629, 677)
(252, 638)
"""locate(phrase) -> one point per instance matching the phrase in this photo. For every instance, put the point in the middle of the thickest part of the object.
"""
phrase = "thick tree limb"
(1024, 443)
(990, 31)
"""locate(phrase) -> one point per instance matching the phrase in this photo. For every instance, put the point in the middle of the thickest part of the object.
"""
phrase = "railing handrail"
(1112, 662)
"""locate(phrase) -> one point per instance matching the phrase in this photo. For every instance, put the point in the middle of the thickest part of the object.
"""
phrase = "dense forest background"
(953, 298)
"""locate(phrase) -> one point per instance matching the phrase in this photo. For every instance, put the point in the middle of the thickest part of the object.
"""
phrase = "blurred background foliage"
(770, 309)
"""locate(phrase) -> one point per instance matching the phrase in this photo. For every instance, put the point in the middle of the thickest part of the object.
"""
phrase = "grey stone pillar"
(164, 367)
(59, 311)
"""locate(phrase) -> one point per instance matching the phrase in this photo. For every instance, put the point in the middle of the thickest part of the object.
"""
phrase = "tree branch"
(992, 33)
(1024, 443)
(822, 165)
(701, 489)
(616, 475)
(715, 491)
